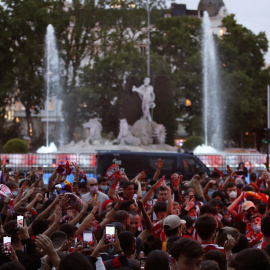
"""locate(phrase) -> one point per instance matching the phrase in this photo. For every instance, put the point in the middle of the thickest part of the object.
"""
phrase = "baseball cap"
(173, 221)
(248, 204)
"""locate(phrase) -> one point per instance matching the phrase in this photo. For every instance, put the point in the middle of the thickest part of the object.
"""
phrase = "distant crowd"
(209, 222)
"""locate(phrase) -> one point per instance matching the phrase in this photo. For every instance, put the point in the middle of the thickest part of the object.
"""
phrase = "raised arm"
(86, 222)
(205, 192)
(152, 189)
(159, 165)
(147, 223)
(234, 204)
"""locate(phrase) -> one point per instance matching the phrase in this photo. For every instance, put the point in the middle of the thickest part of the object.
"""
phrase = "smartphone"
(7, 245)
(87, 239)
(19, 221)
(110, 234)
(122, 170)
(142, 262)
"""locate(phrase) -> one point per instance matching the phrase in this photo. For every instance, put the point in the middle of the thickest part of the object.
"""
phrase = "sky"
(253, 14)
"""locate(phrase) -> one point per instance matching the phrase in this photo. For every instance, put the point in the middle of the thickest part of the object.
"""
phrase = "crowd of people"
(207, 222)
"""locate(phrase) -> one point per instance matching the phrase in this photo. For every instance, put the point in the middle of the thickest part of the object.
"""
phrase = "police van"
(134, 162)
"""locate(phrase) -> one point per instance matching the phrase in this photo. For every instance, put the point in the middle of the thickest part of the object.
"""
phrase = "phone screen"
(7, 244)
(87, 239)
(19, 221)
(122, 170)
(110, 234)
(142, 262)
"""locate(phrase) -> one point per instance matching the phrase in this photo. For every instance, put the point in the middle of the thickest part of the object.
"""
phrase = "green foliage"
(16, 146)
(177, 40)
(9, 130)
(192, 142)
(244, 79)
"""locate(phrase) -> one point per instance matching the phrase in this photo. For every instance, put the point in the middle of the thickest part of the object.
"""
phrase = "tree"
(245, 80)
(26, 23)
(177, 40)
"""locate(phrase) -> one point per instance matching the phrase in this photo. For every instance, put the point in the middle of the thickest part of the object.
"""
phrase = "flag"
(259, 196)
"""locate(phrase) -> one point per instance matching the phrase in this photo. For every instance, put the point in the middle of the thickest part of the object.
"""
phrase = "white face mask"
(233, 194)
(256, 228)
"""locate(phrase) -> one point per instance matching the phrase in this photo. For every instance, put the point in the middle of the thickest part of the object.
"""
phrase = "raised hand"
(159, 163)
(159, 182)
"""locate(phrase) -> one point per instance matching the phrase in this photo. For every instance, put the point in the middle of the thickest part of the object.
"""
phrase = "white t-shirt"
(101, 197)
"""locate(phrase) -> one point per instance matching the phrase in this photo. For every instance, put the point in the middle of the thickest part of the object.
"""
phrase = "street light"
(148, 8)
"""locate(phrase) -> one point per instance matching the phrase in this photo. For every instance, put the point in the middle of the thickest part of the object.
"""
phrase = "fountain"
(212, 115)
(53, 93)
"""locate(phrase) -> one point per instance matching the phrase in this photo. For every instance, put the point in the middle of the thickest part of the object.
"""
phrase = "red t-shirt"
(207, 247)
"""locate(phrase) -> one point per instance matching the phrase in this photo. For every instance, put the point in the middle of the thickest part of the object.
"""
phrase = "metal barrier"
(87, 161)
(255, 161)
(24, 162)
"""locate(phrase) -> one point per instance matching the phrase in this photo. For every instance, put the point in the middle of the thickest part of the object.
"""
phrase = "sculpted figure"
(146, 93)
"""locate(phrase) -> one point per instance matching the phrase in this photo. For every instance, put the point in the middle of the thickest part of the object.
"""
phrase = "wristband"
(92, 212)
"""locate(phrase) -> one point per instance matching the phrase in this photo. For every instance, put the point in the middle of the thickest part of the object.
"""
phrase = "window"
(50, 105)
(190, 165)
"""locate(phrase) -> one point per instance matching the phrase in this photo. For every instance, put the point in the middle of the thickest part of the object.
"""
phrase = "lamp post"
(148, 8)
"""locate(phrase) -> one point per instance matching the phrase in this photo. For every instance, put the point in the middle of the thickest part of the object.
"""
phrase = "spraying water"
(212, 115)
(53, 107)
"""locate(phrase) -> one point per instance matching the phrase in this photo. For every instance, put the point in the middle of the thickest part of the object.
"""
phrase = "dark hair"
(82, 184)
(250, 259)
(126, 184)
(208, 208)
(205, 226)
(230, 185)
(247, 188)
(102, 179)
(160, 207)
(170, 243)
(220, 194)
(58, 238)
(12, 266)
(121, 216)
(157, 260)
(125, 205)
(11, 229)
(217, 202)
(188, 247)
(240, 226)
(215, 174)
(151, 243)
(217, 256)
(265, 226)
(241, 245)
(75, 259)
(126, 240)
(170, 232)
(162, 188)
(102, 215)
(133, 213)
(253, 176)
(189, 221)
(209, 265)
(40, 226)
(68, 229)
(267, 250)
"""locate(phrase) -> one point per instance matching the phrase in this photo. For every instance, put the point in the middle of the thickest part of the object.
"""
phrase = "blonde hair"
(194, 183)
